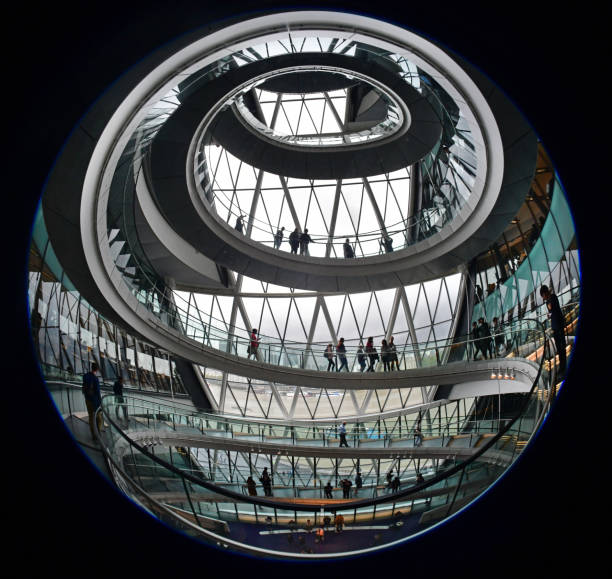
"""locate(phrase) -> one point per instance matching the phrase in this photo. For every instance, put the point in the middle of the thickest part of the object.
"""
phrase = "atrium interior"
(332, 396)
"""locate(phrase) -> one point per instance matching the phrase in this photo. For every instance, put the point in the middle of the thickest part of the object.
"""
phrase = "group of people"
(367, 356)
(299, 240)
(296, 239)
(491, 341)
(345, 485)
(266, 481)
(393, 483)
(336, 356)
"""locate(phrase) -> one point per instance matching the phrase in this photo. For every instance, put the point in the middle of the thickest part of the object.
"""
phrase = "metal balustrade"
(210, 510)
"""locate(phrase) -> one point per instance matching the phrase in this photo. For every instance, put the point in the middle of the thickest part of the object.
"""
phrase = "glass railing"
(174, 480)
(447, 172)
(439, 422)
(396, 236)
(548, 262)
(176, 313)
(456, 432)
(286, 482)
(444, 181)
(387, 126)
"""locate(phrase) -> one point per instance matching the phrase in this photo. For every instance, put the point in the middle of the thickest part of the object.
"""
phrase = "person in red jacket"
(254, 344)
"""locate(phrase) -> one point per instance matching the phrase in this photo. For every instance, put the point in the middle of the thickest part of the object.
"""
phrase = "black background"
(63, 518)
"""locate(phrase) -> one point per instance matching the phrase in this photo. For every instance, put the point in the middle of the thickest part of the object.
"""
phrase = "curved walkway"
(400, 449)
(418, 137)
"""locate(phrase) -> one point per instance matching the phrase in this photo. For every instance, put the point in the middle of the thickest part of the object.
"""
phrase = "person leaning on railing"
(305, 239)
(358, 482)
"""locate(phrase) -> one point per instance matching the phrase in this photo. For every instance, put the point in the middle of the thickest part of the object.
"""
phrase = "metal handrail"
(355, 503)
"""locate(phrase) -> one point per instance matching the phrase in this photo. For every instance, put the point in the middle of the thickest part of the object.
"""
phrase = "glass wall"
(539, 248)
(69, 335)
(420, 313)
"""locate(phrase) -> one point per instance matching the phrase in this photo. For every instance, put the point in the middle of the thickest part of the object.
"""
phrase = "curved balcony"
(165, 459)
(213, 343)
(106, 148)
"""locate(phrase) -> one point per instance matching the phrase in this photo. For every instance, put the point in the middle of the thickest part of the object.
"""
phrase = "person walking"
(266, 481)
(278, 238)
(371, 353)
(358, 482)
(395, 484)
(320, 538)
(339, 522)
(384, 354)
(251, 486)
(484, 338)
(557, 325)
(253, 344)
(328, 490)
(393, 361)
(418, 436)
(93, 398)
(239, 224)
(330, 355)
(498, 336)
(341, 351)
(305, 239)
(342, 433)
(346, 488)
(389, 478)
(119, 400)
(348, 250)
(474, 340)
(361, 357)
